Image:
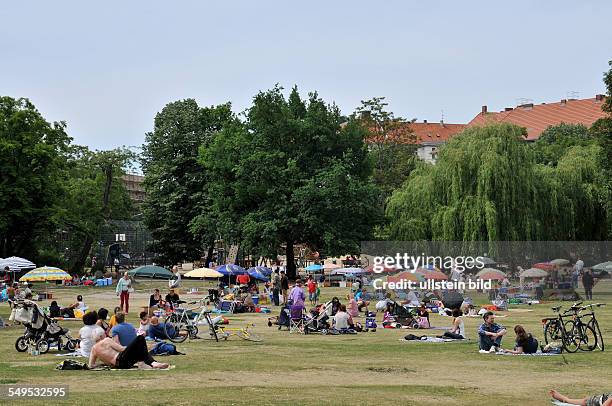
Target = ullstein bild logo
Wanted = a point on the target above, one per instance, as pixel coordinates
(405, 261)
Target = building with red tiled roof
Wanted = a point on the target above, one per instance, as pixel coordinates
(538, 117)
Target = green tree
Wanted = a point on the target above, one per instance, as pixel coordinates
(292, 173)
(554, 142)
(486, 186)
(177, 208)
(95, 194)
(392, 145)
(31, 169)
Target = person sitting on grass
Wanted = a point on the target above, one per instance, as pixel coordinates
(157, 330)
(109, 352)
(113, 320)
(89, 333)
(352, 307)
(342, 320)
(123, 333)
(102, 315)
(490, 333)
(525, 343)
(457, 331)
(155, 302)
(605, 399)
(143, 328)
(360, 298)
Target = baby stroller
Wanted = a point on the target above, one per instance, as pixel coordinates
(317, 321)
(403, 316)
(283, 319)
(41, 332)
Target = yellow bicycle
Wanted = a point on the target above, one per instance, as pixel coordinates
(246, 333)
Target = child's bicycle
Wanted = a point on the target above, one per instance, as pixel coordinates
(246, 333)
(178, 326)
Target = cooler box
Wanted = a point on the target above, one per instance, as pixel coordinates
(255, 299)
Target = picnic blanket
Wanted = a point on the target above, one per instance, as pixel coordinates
(559, 403)
(70, 354)
(537, 354)
(433, 340)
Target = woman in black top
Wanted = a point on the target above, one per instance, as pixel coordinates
(525, 342)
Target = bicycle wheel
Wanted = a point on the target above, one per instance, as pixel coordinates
(571, 337)
(589, 339)
(595, 325)
(553, 332)
(176, 328)
(249, 335)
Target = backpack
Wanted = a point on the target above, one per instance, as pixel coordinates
(164, 348)
(71, 365)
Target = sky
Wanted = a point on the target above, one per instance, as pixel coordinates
(106, 68)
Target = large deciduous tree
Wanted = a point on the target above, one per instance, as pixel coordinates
(486, 186)
(293, 173)
(175, 181)
(32, 159)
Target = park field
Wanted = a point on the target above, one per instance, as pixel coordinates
(367, 368)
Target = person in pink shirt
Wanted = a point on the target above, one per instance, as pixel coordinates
(352, 308)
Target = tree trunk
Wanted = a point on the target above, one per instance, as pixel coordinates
(79, 264)
(291, 271)
(209, 254)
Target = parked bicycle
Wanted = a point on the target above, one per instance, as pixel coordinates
(246, 333)
(570, 329)
(179, 326)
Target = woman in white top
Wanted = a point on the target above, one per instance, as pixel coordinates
(342, 319)
(457, 332)
(89, 333)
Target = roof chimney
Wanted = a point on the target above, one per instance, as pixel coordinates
(484, 110)
(424, 121)
(508, 109)
(526, 106)
(563, 102)
(599, 97)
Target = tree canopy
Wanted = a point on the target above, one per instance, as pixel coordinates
(291, 173)
(175, 181)
(487, 186)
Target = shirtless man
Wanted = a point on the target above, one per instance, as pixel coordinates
(109, 352)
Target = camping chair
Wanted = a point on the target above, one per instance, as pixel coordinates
(297, 323)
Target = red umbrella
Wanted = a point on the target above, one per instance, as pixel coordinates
(407, 275)
(547, 266)
(492, 276)
(437, 275)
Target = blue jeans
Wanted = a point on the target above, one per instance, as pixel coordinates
(486, 342)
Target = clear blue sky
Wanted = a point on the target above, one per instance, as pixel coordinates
(108, 67)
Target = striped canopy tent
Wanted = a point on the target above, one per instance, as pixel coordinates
(492, 276)
(488, 270)
(407, 276)
(230, 270)
(348, 271)
(432, 274)
(16, 264)
(45, 274)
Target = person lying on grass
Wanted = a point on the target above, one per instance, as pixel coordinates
(490, 333)
(108, 352)
(525, 342)
(604, 399)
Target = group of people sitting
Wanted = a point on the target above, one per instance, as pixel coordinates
(491, 334)
(118, 343)
(56, 310)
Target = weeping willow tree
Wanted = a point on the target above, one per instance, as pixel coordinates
(487, 186)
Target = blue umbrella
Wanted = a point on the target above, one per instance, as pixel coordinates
(313, 268)
(265, 271)
(256, 274)
(230, 270)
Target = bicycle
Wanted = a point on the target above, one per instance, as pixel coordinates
(582, 332)
(243, 332)
(178, 326)
(555, 329)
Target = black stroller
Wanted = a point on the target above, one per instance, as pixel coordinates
(41, 332)
(403, 316)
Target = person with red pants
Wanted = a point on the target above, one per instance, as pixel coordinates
(124, 285)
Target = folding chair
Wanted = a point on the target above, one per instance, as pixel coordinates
(296, 324)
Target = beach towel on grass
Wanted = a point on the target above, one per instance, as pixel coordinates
(537, 354)
(432, 340)
(559, 403)
(70, 354)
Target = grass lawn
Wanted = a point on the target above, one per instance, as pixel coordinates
(368, 368)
